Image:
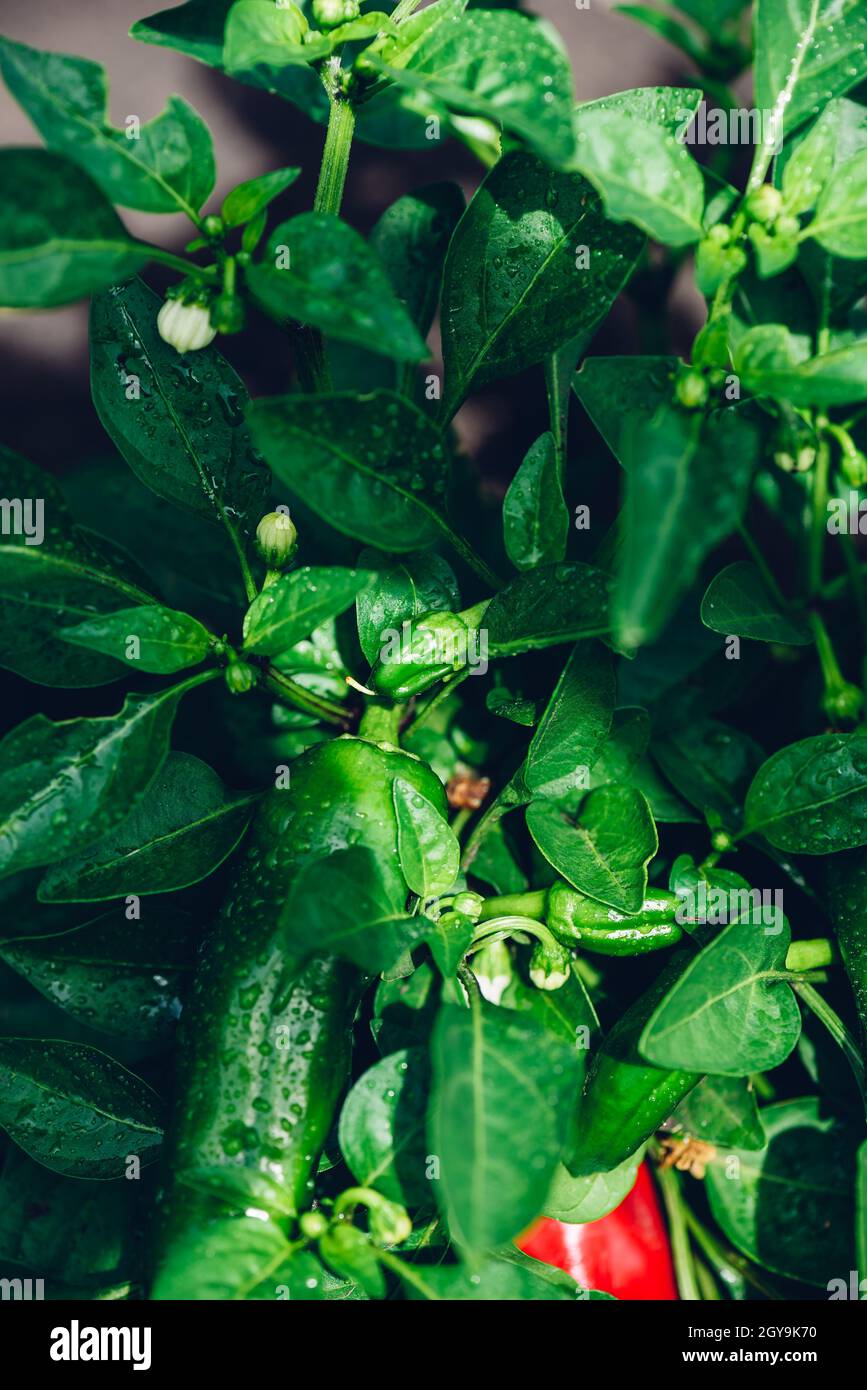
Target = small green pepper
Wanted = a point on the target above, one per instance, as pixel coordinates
(578, 920)
(427, 650)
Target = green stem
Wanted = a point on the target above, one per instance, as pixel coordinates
(819, 523)
(811, 955)
(408, 1273)
(380, 722)
(530, 904)
(304, 699)
(558, 414)
(762, 566)
(684, 1265)
(186, 267)
(838, 1030)
(463, 548)
(732, 1268)
(471, 985)
(831, 674)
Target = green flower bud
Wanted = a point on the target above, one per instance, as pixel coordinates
(469, 904)
(276, 539)
(720, 234)
(313, 1224)
(328, 14)
(843, 702)
(185, 327)
(721, 841)
(549, 965)
(788, 225)
(213, 226)
(692, 390)
(388, 1223)
(765, 204)
(227, 314)
(240, 677)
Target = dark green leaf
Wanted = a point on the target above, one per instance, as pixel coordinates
(491, 1281)
(549, 605)
(178, 423)
(811, 797)
(710, 764)
(577, 1200)
(429, 853)
(517, 284)
(411, 239)
(195, 28)
(297, 603)
(404, 589)
(373, 466)
(149, 637)
(59, 238)
(623, 749)
(721, 1110)
(605, 850)
(318, 270)
(253, 195)
(503, 1091)
(535, 516)
(575, 724)
(164, 165)
(769, 362)
(74, 1109)
(382, 1128)
(68, 784)
(738, 601)
(181, 831)
(789, 1207)
(807, 51)
(604, 383)
(240, 1257)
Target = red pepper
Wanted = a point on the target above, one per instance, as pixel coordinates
(626, 1253)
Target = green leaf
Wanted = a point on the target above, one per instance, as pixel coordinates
(604, 383)
(165, 165)
(738, 601)
(372, 465)
(183, 828)
(789, 1207)
(404, 589)
(644, 176)
(622, 750)
(811, 797)
(69, 575)
(575, 724)
(535, 515)
(178, 423)
(429, 853)
(449, 942)
(163, 640)
(318, 270)
(861, 1207)
(517, 284)
(411, 239)
(253, 195)
(549, 605)
(806, 52)
(503, 1091)
(340, 904)
(769, 362)
(710, 764)
(262, 40)
(589, 1198)
(687, 484)
(297, 603)
(382, 1128)
(505, 67)
(489, 1281)
(604, 852)
(119, 977)
(235, 1258)
(66, 785)
(195, 28)
(729, 1013)
(60, 240)
(74, 1109)
(567, 1012)
(840, 225)
(811, 163)
(721, 1110)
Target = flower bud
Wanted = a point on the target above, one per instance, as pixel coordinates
(469, 904)
(692, 390)
(843, 702)
(227, 314)
(240, 677)
(388, 1223)
(185, 327)
(213, 226)
(765, 204)
(276, 539)
(328, 14)
(549, 965)
(313, 1224)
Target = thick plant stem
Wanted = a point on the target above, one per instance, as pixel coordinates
(305, 699)
(838, 1030)
(684, 1264)
(515, 905)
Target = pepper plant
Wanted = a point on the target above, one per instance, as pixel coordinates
(409, 869)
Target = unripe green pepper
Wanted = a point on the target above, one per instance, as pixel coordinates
(625, 1098)
(414, 667)
(264, 1040)
(577, 920)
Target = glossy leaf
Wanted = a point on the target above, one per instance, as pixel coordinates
(382, 1128)
(60, 240)
(547, 606)
(710, 764)
(575, 724)
(721, 1110)
(728, 1014)
(429, 853)
(515, 287)
(738, 601)
(179, 423)
(372, 465)
(163, 165)
(503, 1092)
(404, 589)
(74, 1109)
(411, 239)
(492, 1281)
(68, 784)
(297, 603)
(604, 383)
(840, 224)
(769, 363)
(318, 270)
(577, 1200)
(252, 196)
(241, 1257)
(194, 28)
(643, 175)
(811, 797)
(603, 851)
(622, 750)
(149, 637)
(790, 1208)
(183, 828)
(68, 576)
(806, 52)
(535, 515)
(117, 976)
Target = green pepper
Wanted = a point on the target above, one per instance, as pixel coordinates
(413, 668)
(265, 1040)
(625, 1098)
(578, 920)
(847, 900)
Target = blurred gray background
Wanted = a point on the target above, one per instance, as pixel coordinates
(44, 397)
